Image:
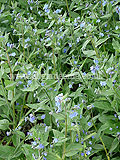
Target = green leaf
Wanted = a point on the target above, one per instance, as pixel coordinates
(10, 85)
(73, 149)
(89, 136)
(6, 152)
(32, 87)
(53, 156)
(51, 24)
(103, 105)
(114, 145)
(116, 45)
(99, 42)
(89, 53)
(106, 16)
(4, 124)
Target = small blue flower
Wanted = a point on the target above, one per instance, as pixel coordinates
(55, 140)
(84, 73)
(105, 25)
(116, 27)
(82, 25)
(82, 154)
(75, 62)
(88, 152)
(96, 61)
(42, 84)
(8, 133)
(90, 142)
(103, 83)
(70, 85)
(34, 143)
(41, 146)
(29, 72)
(32, 118)
(45, 6)
(110, 129)
(101, 34)
(72, 115)
(78, 39)
(29, 82)
(77, 140)
(46, 128)
(13, 54)
(65, 50)
(43, 116)
(98, 21)
(58, 11)
(89, 123)
(28, 39)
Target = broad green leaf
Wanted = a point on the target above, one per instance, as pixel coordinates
(103, 105)
(10, 85)
(73, 149)
(89, 53)
(99, 42)
(4, 124)
(6, 152)
(114, 145)
(116, 45)
(32, 87)
(53, 156)
(51, 24)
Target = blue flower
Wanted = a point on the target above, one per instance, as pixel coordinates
(77, 140)
(58, 100)
(29, 72)
(105, 25)
(89, 123)
(90, 142)
(72, 115)
(116, 27)
(55, 140)
(28, 39)
(103, 83)
(82, 154)
(98, 21)
(13, 54)
(110, 129)
(82, 25)
(34, 143)
(42, 84)
(88, 152)
(96, 61)
(32, 118)
(58, 11)
(8, 133)
(29, 82)
(43, 116)
(101, 34)
(45, 6)
(70, 86)
(65, 50)
(41, 146)
(75, 62)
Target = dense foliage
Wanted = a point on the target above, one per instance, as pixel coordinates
(59, 80)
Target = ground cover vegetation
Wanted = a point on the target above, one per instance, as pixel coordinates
(59, 80)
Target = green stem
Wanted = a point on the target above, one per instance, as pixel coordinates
(23, 106)
(11, 78)
(64, 149)
(102, 142)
